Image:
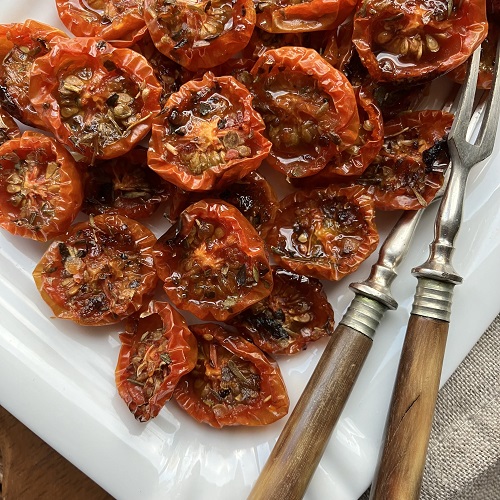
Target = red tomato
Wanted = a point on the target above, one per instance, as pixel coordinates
(289, 16)
(100, 272)
(253, 196)
(355, 159)
(157, 350)
(40, 187)
(416, 40)
(20, 45)
(208, 135)
(213, 262)
(8, 127)
(120, 22)
(96, 99)
(233, 382)
(297, 312)
(324, 233)
(308, 106)
(125, 186)
(197, 37)
(487, 63)
(409, 169)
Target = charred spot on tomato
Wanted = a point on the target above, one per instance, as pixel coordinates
(436, 158)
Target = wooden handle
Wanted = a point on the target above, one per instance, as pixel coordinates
(409, 423)
(301, 444)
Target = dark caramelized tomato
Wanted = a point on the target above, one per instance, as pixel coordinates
(355, 159)
(8, 127)
(96, 99)
(415, 40)
(262, 40)
(40, 187)
(308, 106)
(170, 74)
(289, 16)
(297, 312)
(324, 233)
(118, 21)
(157, 350)
(410, 167)
(253, 196)
(233, 382)
(200, 34)
(20, 45)
(125, 186)
(213, 262)
(487, 62)
(208, 135)
(100, 272)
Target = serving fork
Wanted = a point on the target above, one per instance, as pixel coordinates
(417, 382)
(300, 446)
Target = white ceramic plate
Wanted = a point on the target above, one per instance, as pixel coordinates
(58, 378)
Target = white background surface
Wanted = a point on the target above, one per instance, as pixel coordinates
(58, 378)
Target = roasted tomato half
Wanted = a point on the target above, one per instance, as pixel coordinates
(308, 106)
(233, 382)
(118, 21)
(157, 349)
(20, 45)
(297, 312)
(409, 168)
(289, 16)
(213, 262)
(96, 99)
(420, 39)
(253, 196)
(200, 34)
(487, 62)
(100, 272)
(208, 135)
(355, 159)
(40, 187)
(8, 127)
(125, 186)
(324, 233)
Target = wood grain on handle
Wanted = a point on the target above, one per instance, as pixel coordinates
(300, 446)
(412, 407)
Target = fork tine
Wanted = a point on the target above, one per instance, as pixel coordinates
(466, 100)
(487, 132)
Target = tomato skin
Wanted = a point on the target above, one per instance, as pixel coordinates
(171, 349)
(297, 312)
(122, 28)
(219, 352)
(409, 169)
(324, 233)
(315, 15)
(200, 40)
(101, 72)
(393, 41)
(17, 63)
(212, 116)
(99, 272)
(309, 108)
(212, 262)
(40, 187)
(124, 185)
(8, 127)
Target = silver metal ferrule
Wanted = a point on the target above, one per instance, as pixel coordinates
(364, 315)
(433, 299)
